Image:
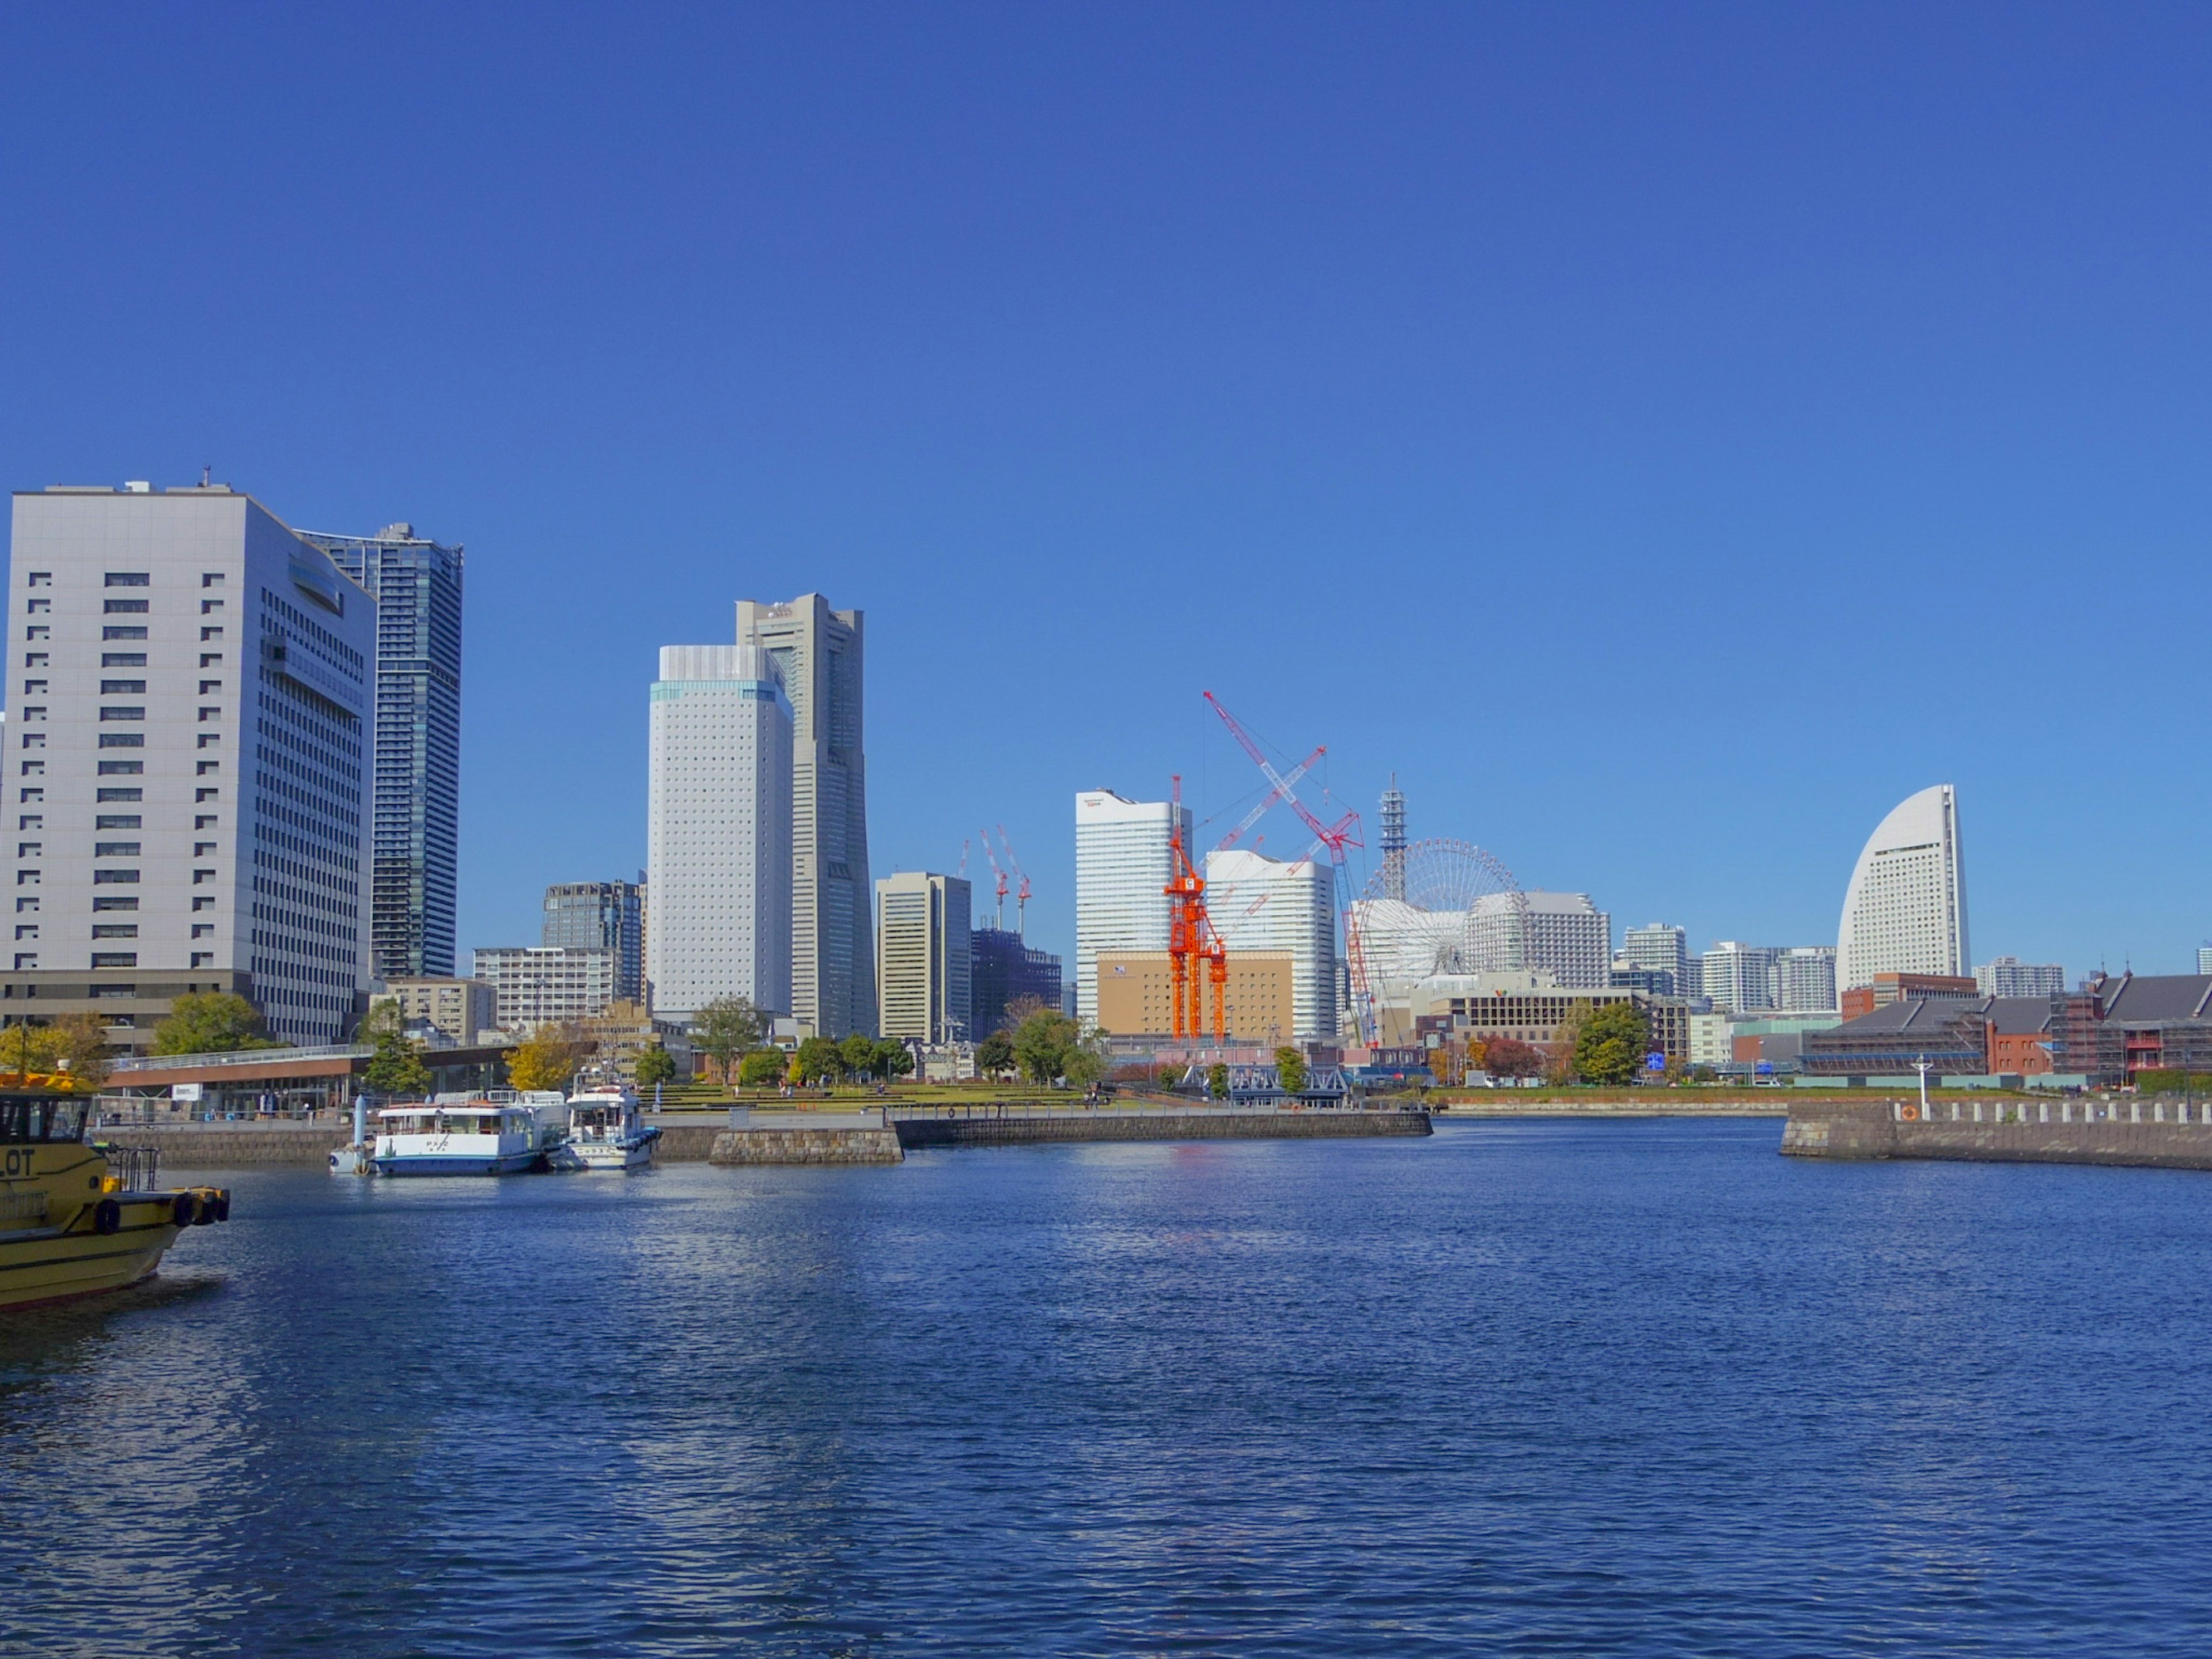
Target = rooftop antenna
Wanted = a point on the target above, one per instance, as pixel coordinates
(206, 473)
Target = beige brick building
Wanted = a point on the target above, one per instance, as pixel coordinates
(1135, 1000)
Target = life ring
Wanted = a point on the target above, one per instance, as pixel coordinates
(107, 1216)
(184, 1209)
(1910, 1113)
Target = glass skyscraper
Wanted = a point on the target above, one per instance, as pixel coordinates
(416, 584)
(602, 916)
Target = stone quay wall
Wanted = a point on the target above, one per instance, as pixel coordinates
(1027, 1129)
(239, 1145)
(2154, 1134)
(761, 1146)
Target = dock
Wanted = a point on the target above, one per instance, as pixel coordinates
(2169, 1134)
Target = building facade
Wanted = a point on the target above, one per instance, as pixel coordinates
(924, 958)
(718, 831)
(414, 849)
(1805, 978)
(1741, 977)
(1566, 934)
(1905, 910)
(1136, 997)
(1531, 1006)
(1005, 969)
(459, 1010)
(820, 654)
(1661, 947)
(2008, 976)
(602, 916)
(1122, 868)
(1261, 904)
(189, 762)
(535, 985)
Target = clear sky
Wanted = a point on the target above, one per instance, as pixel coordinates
(1665, 437)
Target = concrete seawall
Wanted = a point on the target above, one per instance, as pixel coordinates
(1021, 1130)
(764, 1146)
(2148, 1134)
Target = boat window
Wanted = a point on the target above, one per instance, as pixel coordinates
(65, 1120)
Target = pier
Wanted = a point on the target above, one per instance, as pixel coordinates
(2154, 1133)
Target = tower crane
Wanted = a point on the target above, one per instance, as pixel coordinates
(1022, 895)
(999, 916)
(1191, 941)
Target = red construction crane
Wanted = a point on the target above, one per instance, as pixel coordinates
(1022, 897)
(1335, 837)
(1191, 937)
(999, 918)
(1273, 795)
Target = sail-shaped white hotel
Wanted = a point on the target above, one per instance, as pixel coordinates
(1905, 909)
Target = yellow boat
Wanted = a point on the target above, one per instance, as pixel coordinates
(73, 1219)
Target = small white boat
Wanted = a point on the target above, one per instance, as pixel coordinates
(604, 1132)
(458, 1136)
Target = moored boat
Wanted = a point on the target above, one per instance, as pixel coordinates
(79, 1218)
(462, 1135)
(604, 1132)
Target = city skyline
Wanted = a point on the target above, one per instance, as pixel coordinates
(1596, 372)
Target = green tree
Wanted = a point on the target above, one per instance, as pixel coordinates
(655, 1065)
(1609, 1048)
(1290, 1067)
(818, 1060)
(762, 1068)
(859, 1053)
(994, 1054)
(1048, 1044)
(1217, 1081)
(211, 1023)
(725, 1030)
(72, 1051)
(396, 1067)
(893, 1059)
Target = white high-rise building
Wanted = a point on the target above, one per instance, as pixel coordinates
(1661, 947)
(924, 957)
(1122, 869)
(1262, 905)
(535, 985)
(2008, 976)
(1741, 977)
(1566, 933)
(1805, 976)
(1904, 911)
(187, 763)
(819, 657)
(718, 831)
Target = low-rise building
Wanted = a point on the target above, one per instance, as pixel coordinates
(1976, 1036)
(1136, 996)
(1528, 1005)
(547, 985)
(1888, 988)
(2121, 1026)
(1712, 1041)
(457, 1010)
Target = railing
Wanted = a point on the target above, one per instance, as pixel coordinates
(2065, 1109)
(138, 1168)
(236, 1057)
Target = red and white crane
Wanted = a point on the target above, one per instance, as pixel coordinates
(1022, 895)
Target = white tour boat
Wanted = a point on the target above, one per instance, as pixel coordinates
(459, 1135)
(604, 1132)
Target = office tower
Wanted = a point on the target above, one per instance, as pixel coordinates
(1566, 933)
(1263, 905)
(188, 764)
(1391, 841)
(820, 654)
(605, 915)
(1121, 872)
(923, 965)
(1905, 909)
(535, 985)
(1661, 947)
(1741, 977)
(2008, 976)
(416, 584)
(718, 831)
(1006, 969)
(1805, 978)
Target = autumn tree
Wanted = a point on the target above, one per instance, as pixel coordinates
(547, 1060)
(1504, 1056)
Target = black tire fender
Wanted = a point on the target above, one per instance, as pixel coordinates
(184, 1209)
(106, 1217)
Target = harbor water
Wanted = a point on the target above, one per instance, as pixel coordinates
(1627, 1388)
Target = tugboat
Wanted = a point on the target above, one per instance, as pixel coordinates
(603, 1131)
(74, 1219)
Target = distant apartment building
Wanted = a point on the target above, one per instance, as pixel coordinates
(2008, 976)
(602, 916)
(1663, 949)
(1905, 910)
(819, 657)
(2204, 958)
(416, 834)
(1566, 934)
(1741, 977)
(188, 744)
(924, 960)
(536, 985)
(718, 831)
(459, 1010)
(1710, 1041)
(1005, 969)
(1805, 979)
(1136, 997)
(1121, 872)
(1273, 907)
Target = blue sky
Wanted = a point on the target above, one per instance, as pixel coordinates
(1665, 437)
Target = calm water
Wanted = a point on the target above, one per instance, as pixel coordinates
(1632, 1388)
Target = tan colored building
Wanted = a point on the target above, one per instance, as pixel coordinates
(1528, 1005)
(461, 1008)
(1135, 987)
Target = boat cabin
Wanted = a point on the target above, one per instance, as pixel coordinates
(26, 1120)
(476, 1118)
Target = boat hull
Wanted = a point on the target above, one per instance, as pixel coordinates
(603, 1155)
(460, 1164)
(52, 1266)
